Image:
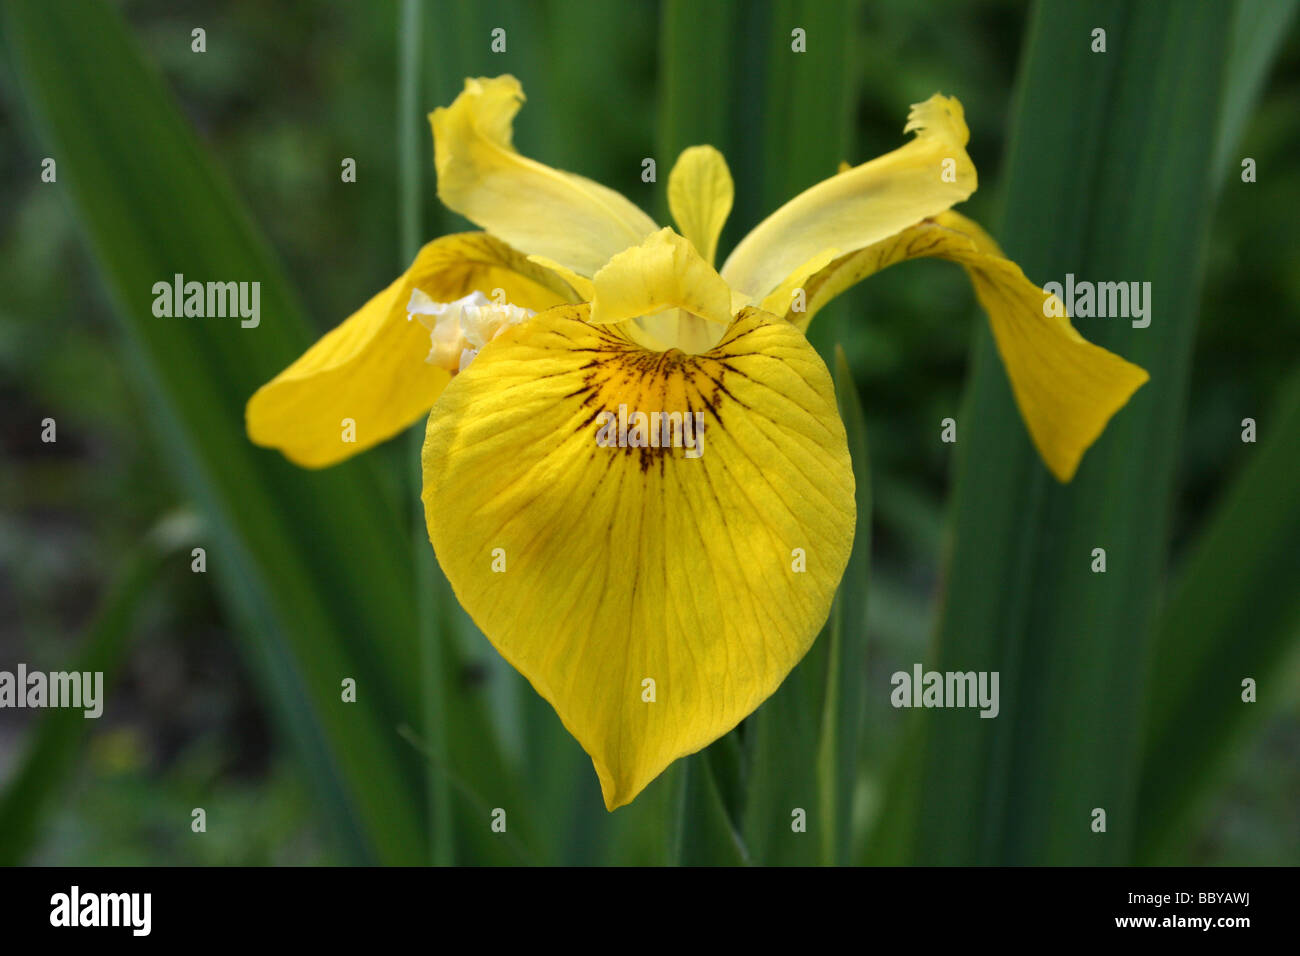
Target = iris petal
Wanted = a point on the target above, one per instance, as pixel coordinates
(536, 209)
(700, 194)
(1067, 389)
(863, 205)
(663, 272)
(371, 369)
(596, 569)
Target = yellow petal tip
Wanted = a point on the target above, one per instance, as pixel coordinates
(941, 117)
(1063, 453)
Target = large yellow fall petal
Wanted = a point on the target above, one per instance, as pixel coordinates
(862, 205)
(536, 209)
(597, 570)
(700, 194)
(371, 369)
(1067, 389)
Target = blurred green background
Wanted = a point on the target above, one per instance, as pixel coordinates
(202, 713)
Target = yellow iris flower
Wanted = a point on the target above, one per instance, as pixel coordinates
(653, 596)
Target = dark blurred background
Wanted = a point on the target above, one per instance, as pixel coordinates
(309, 82)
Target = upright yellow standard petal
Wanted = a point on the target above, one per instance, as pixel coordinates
(655, 599)
(867, 203)
(1067, 389)
(370, 371)
(536, 209)
(700, 194)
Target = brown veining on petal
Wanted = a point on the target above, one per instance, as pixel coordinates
(624, 373)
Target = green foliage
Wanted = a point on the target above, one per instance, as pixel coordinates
(306, 562)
